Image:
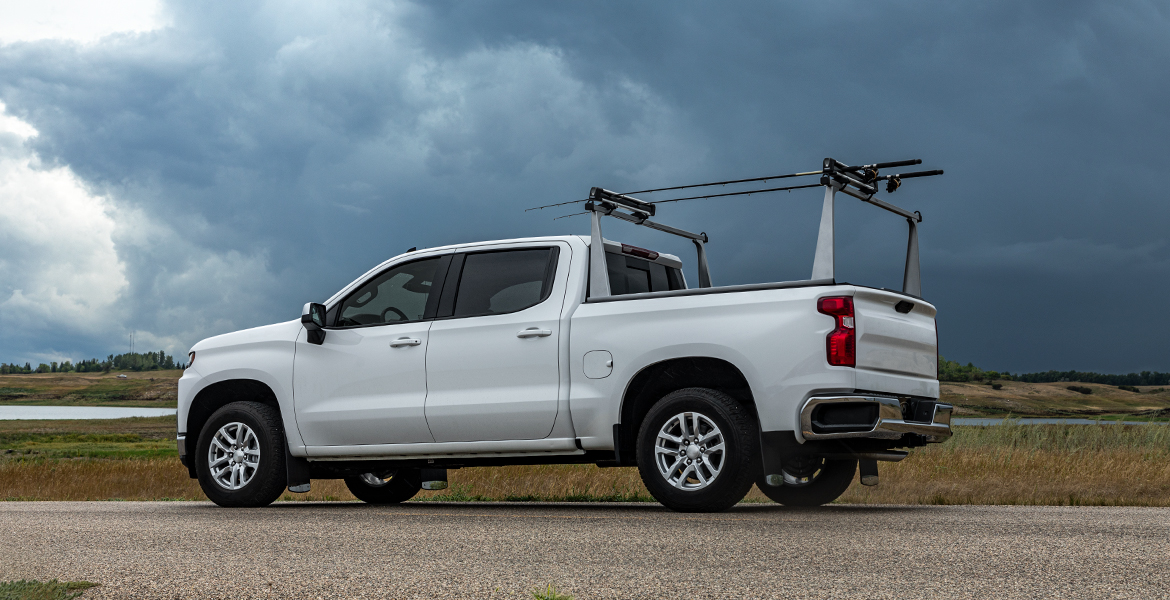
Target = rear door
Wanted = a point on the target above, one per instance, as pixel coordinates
(895, 334)
(493, 363)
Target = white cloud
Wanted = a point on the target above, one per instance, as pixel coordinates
(58, 265)
(77, 20)
(67, 267)
(338, 107)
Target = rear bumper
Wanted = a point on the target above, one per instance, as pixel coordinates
(891, 421)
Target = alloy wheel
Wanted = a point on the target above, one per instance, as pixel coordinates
(233, 456)
(689, 451)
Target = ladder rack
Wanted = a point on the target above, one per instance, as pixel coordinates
(860, 182)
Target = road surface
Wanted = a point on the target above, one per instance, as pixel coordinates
(424, 550)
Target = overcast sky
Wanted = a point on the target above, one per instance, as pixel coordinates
(180, 170)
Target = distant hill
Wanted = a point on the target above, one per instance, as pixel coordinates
(949, 370)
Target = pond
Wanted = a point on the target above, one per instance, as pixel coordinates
(79, 412)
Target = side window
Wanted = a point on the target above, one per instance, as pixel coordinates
(631, 275)
(505, 281)
(396, 296)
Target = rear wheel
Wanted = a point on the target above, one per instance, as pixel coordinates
(386, 487)
(698, 450)
(810, 481)
(240, 455)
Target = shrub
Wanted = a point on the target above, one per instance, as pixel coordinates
(1129, 388)
(1080, 389)
(997, 386)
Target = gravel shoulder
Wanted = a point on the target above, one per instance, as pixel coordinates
(346, 550)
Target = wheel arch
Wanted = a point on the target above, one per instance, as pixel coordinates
(659, 379)
(219, 394)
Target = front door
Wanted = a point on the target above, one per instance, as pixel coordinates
(366, 383)
(493, 369)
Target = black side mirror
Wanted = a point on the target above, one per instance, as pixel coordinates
(313, 318)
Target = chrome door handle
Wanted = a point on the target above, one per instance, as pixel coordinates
(534, 332)
(405, 341)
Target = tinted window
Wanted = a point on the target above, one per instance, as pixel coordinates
(493, 283)
(396, 296)
(630, 275)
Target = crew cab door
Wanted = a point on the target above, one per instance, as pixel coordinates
(366, 383)
(493, 366)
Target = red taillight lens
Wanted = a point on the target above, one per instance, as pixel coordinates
(841, 343)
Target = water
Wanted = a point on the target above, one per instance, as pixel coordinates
(79, 412)
(994, 421)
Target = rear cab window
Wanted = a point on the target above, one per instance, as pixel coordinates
(499, 281)
(629, 274)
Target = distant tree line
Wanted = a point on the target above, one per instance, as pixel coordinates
(132, 361)
(949, 370)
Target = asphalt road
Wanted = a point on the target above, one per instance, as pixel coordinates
(197, 550)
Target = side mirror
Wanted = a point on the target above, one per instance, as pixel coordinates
(313, 318)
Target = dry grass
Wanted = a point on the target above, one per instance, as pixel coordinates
(146, 388)
(1052, 400)
(1015, 464)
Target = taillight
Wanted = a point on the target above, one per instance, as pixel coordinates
(191, 356)
(841, 343)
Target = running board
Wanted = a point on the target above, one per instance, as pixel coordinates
(433, 450)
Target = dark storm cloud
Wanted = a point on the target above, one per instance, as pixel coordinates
(273, 153)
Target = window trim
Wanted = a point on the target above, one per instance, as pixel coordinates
(446, 309)
(432, 300)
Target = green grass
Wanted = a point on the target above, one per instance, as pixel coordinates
(550, 593)
(42, 590)
(35, 446)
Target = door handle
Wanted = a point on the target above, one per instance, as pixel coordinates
(405, 341)
(532, 332)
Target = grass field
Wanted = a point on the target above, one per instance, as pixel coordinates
(1056, 400)
(147, 388)
(135, 459)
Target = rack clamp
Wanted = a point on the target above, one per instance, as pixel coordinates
(611, 201)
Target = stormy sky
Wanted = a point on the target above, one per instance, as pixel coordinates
(182, 169)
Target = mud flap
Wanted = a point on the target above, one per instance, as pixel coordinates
(774, 446)
(297, 471)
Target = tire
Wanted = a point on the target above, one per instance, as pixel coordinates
(688, 486)
(385, 488)
(812, 483)
(254, 476)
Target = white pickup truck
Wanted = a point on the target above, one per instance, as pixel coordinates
(571, 349)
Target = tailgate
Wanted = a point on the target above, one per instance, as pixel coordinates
(891, 341)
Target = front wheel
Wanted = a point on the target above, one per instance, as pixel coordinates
(240, 455)
(390, 487)
(810, 481)
(698, 450)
